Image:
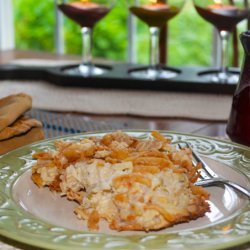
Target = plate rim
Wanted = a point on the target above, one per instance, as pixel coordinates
(36, 243)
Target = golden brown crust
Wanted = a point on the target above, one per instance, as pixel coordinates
(20, 126)
(36, 178)
(93, 221)
(12, 107)
(133, 184)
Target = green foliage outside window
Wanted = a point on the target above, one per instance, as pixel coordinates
(190, 37)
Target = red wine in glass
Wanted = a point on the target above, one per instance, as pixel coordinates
(154, 18)
(223, 19)
(87, 13)
(154, 13)
(224, 15)
(85, 16)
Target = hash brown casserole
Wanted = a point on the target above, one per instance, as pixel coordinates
(132, 184)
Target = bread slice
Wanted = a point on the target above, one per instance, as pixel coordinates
(12, 107)
(19, 127)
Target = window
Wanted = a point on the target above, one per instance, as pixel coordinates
(190, 37)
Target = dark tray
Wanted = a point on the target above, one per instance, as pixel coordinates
(189, 79)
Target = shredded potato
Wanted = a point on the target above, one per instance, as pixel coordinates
(130, 183)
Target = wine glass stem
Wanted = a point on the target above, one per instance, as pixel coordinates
(86, 46)
(224, 37)
(154, 47)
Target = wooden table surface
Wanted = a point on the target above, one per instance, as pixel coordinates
(206, 128)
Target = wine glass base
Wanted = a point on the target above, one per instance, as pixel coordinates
(91, 70)
(87, 70)
(221, 77)
(148, 73)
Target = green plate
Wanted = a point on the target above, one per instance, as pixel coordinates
(40, 218)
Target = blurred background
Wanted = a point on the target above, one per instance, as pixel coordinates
(191, 40)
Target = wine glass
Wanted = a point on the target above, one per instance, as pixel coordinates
(87, 13)
(224, 15)
(155, 13)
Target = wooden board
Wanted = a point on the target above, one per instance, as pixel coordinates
(188, 79)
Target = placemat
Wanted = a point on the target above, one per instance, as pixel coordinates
(123, 102)
(56, 124)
